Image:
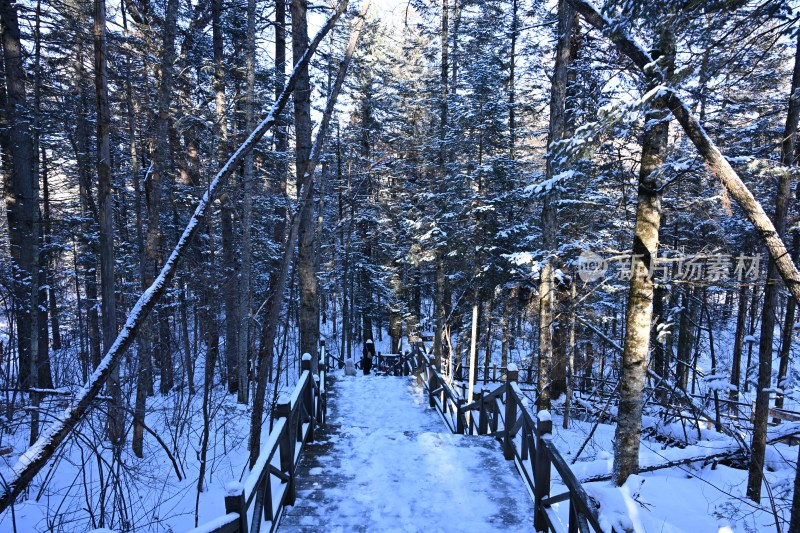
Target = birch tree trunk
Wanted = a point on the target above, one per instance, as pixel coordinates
(640, 295)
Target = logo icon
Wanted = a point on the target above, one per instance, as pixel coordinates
(591, 266)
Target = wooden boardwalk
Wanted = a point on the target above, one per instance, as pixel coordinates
(386, 462)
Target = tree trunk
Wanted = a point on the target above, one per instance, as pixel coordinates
(640, 300)
(43, 371)
(556, 132)
(751, 331)
(772, 298)
(245, 299)
(685, 338)
(22, 201)
(441, 318)
(788, 151)
(116, 417)
(230, 279)
(738, 342)
(144, 371)
(274, 304)
(309, 302)
(50, 280)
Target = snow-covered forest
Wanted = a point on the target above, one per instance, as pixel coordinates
(604, 194)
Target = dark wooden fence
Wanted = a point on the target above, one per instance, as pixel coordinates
(526, 439)
(270, 486)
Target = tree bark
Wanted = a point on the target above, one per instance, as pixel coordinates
(309, 302)
(275, 301)
(772, 299)
(556, 131)
(21, 197)
(640, 295)
(245, 298)
(788, 150)
(738, 343)
(116, 417)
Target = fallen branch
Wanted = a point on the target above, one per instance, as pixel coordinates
(727, 454)
(689, 402)
(596, 423)
(705, 146)
(32, 461)
(269, 331)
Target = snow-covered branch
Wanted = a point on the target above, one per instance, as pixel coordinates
(43, 449)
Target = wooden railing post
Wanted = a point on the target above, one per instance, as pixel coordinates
(541, 470)
(512, 375)
(307, 395)
(287, 441)
(574, 518)
(460, 415)
(431, 383)
(235, 503)
(322, 407)
(483, 422)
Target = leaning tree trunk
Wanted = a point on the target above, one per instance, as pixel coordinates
(640, 295)
(269, 330)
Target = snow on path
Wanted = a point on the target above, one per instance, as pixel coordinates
(387, 463)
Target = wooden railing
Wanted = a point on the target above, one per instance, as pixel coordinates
(504, 414)
(270, 486)
(395, 364)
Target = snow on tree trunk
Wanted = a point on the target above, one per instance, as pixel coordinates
(640, 295)
(275, 302)
(558, 97)
(32, 460)
(772, 299)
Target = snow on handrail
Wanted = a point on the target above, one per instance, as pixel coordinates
(264, 458)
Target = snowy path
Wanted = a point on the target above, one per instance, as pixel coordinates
(387, 463)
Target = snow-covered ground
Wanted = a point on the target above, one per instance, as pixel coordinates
(687, 498)
(153, 497)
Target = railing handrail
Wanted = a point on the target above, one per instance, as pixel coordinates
(518, 424)
(295, 417)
